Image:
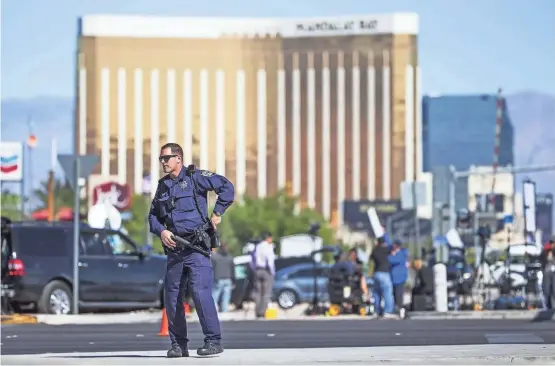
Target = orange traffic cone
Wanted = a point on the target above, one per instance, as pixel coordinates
(164, 332)
(164, 326)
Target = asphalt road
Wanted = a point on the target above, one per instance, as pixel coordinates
(40, 338)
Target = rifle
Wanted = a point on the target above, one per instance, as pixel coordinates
(187, 244)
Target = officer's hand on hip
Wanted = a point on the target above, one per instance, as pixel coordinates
(167, 240)
(215, 220)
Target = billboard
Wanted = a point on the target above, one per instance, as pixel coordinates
(355, 213)
(355, 216)
(119, 195)
(11, 161)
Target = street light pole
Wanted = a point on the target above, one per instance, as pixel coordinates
(452, 187)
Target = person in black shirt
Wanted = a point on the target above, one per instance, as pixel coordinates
(382, 279)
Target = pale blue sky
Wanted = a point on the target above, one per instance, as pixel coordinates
(466, 46)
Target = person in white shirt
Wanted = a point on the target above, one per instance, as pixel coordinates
(263, 265)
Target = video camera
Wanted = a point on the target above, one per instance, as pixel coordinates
(484, 232)
(345, 291)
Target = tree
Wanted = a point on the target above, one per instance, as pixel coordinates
(63, 195)
(137, 225)
(242, 221)
(249, 219)
(11, 205)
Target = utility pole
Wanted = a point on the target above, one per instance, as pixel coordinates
(497, 142)
(51, 208)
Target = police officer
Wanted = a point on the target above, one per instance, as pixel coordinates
(179, 209)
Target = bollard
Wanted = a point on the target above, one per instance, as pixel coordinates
(440, 287)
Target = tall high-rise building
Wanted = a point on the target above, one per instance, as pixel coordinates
(328, 106)
(460, 131)
(544, 215)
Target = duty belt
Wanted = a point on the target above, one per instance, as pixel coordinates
(183, 243)
(198, 240)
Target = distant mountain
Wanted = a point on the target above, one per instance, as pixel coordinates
(41, 109)
(533, 117)
(49, 117)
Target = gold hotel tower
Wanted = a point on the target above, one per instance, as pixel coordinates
(327, 106)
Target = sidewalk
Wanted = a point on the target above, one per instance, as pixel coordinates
(121, 318)
(156, 316)
(296, 313)
(485, 314)
(493, 354)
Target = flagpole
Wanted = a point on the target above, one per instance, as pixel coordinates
(76, 196)
(31, 143)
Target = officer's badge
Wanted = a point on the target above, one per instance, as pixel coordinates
(206, 173)
(183, 184)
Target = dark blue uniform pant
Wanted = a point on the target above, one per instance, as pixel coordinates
(182, 267)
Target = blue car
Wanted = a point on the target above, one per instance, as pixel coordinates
(295, 284)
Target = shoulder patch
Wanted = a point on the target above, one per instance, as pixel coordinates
(206, 173)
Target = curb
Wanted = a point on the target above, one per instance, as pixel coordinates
(92, 319)
(484, 315)
(154, 318)
(19, 319)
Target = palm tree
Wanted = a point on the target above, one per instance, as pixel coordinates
(63, 195)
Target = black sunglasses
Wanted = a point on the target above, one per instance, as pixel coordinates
(165, 158)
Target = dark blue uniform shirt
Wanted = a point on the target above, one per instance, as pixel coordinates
(182, 216)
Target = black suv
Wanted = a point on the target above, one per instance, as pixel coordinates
(37, 268)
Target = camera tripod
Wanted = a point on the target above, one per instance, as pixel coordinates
(482, 289)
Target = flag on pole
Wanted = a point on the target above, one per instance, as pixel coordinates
(32, 139)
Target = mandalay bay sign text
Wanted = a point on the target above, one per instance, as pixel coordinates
(339, 27)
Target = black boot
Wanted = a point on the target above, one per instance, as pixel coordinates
(209, 349)
(177, 351)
